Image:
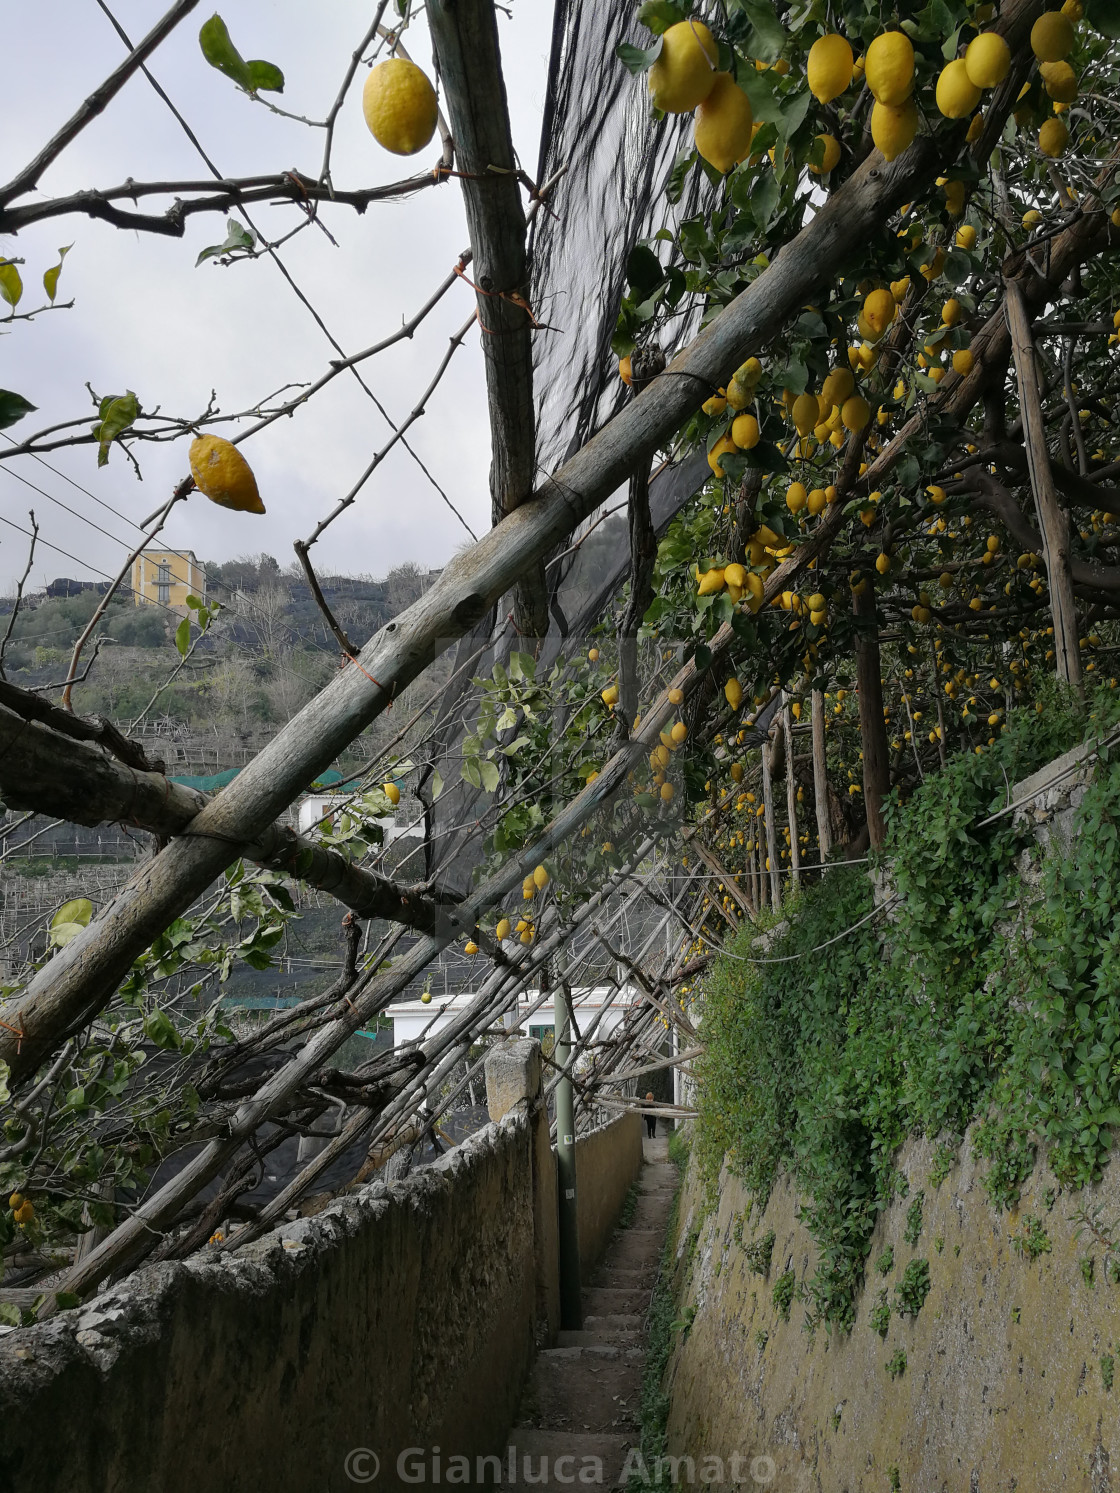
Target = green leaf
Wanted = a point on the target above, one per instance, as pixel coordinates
(238, 239)
(684, 163)
(220, 52)
(10, 1315)
(768, 33)
(13, 407)
(158, 1029)
(69, 920)
(437, 784)
(183, 637)
(488, 772)
(117, 413)
(50, 277)
(658, 15)
(11, 286)
(635, 58)
(5, 1093)
(643, 270)
(265, 76)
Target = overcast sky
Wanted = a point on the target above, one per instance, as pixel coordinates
(146, 319)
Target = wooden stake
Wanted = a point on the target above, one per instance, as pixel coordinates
(820, 779)
(873, 733)
(791, 796)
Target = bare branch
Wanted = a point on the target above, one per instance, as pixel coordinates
(19, 591)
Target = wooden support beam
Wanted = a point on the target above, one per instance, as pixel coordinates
(49, 773)
(716, 866)
(465, 39)
(791, 796)
(873, 732)
(820, 779)
(1052, 519)
(769, 747)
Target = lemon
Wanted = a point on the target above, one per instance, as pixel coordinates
(711, 582)
(679, 732)
(966, 236)
(936, 494)
(745, 432)
(830, 155)
(738, 395)
(1052, 36)
(805, 411)
(890, 68)
(879, 310)
(715, 405)
(399, 104)
(856, 413)
(624, 370)
(987, 59)
(817, 501)
(222, 473)
(951, 312)
(893, 127)
(883, 564)
(470, 947)
(676, 696)
(736, 772)
(1053, 138)
(684, 73)
(748, 374)
(667, 793)
(391, 792)
(723, 124)
(796, 497)
(1060, 81)
(956, 94)
(593, 655)
(501, 932)
(962, 362)
(829, 67)
(733, 693)
(540, 877)
(725, 446)
(838, 386)
(975, 129)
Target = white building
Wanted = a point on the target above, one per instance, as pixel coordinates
(414, 1020)
(318, 806)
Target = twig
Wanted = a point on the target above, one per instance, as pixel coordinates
(96, 102)
(343, 641)
(19, 591)
(344, 88)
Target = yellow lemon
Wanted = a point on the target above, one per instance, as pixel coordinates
(879, 310)
(725, 446)
(624, 370)
(856, 413)
(838, 386)
(735, 575)
(829, 67)
(830, 155)
(678, 732)
(391, 792)
(817, 501)
(749, 373)
(222, 473)
(1031, 219)
(805, 411)
(1052, 36)
(797, 497)
(501, 932)
(723, 124)
(711, 582)
(609, 696)
(966, 236)
(962, 362)
(684, 73)
(733, 693)
(667, 793)
(399, 104)
(890, 68)
(1060, 81)
(1053, 138)
(470, 947)
(745, 432)
(676, 696)
(951, 312)
(540, 877)
(987, 59)
(893, 127)
(883, 564)
(956, 93)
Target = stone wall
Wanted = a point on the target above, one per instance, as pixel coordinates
(608, 1161)
(1003, 1385)
(400, 1316)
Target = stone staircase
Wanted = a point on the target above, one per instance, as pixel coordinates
(583, 1400)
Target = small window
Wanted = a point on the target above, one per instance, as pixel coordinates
(163, 595)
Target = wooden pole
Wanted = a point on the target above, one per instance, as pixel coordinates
(1052, 520)
(873, 734)
(820, 779)
(791, 796)
(768, 747)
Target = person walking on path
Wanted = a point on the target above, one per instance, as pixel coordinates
(651, 1120)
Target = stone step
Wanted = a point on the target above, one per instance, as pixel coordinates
(589, 1337)
(597, 1460)
(600, 1299)
(571, 1389)
(625, 1277)
(608, 1322)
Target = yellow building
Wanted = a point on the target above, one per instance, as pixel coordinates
(167, 577)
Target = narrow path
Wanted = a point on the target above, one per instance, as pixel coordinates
(584, 1396)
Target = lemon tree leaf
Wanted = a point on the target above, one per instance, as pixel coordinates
(79, 910)
(183, 636)
(220, 52)
(117, 411)
(50, 277)
(659, 15)
(265, 76)
(638, 59)
(11, 286)
(5, 1093)
(13, 407)
(767, 32)
(237, 237)
(488, 772)
(437, 784)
